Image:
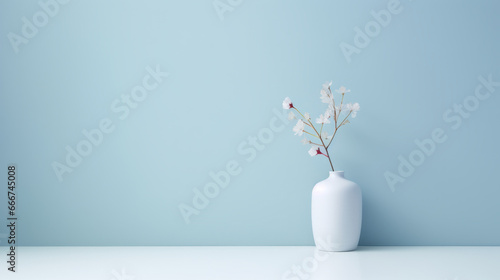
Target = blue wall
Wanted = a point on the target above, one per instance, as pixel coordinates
(87, 65)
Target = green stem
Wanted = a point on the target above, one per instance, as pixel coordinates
(311, 134)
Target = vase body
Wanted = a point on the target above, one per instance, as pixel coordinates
(336, 211)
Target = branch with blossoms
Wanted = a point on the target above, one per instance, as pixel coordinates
(340, 114)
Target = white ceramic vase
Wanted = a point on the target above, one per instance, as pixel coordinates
(336, 213)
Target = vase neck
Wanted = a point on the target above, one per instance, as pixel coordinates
(339, 174)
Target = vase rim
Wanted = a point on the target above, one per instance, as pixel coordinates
(337, 174)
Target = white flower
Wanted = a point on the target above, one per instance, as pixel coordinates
(324, 135)
(287, 103)
(342, 107)
(299, 128)
(333, 110)
(307, 116)
(354, 108)
(342, 90)
(326, 97)
(291, 116)
(327, 85)
(305, 141)
(324, 119)
(330, 110)
(315, 150)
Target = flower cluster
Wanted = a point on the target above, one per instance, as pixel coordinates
(332, 115)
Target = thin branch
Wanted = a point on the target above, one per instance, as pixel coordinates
(311, 134)
(336, 129)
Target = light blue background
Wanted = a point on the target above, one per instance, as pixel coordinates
(226, 78)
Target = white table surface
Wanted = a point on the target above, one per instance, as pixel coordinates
(256, 263)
